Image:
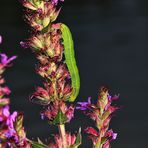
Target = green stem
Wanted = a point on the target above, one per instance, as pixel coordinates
(99, 125)
(63, 135)
(98, 145)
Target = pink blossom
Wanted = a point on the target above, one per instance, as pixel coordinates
(11, 120)
(53, 109)
(70, 139)
(4, 91)
(101, 113)
(6, 111)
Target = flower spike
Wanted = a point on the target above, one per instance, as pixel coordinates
(56, 65)
(101, 113)
(12, 132)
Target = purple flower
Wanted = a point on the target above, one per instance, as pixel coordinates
(24, 44)
(84, 105)
(6, 112)
(4, 59)
(11, 119)
(42, 116)
(10, 133)
(114, 135)
(52, 111)
(55, 2)
(111, 135)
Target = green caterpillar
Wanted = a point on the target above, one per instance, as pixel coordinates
(70, 61)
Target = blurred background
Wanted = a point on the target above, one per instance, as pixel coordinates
(111, 44)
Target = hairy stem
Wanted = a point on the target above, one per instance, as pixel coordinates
(63, 135)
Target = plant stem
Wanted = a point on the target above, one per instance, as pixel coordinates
(98, 145)
(63, 135)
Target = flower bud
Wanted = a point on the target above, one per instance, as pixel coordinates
(37, 42)
(46, 22)
(58, 112)
(33, 4)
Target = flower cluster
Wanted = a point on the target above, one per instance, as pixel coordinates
(55, 88)
(59, 142)
(58, 112)
(46, 42)
(11, 125)
(101, 113)
(71, 140)
(47, 45)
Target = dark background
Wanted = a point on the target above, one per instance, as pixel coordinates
(111, 49)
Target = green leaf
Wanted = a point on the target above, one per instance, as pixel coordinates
(60, 118)
(103, 140)
(45, 29)
(3, 102)
(38, 145)
(78, 140)
(19, 123)
(39, 141)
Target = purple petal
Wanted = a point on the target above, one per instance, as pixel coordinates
(11, 59)
(42, 116)
(14, 115)
(116, 97)
(4, 58)
(10, 133)
(84, 105)
(55, 2)
(1, 39)
(24, 44)
(81, 108)
(6, 111)
(11, 119)
(89, 100)
(1, 119)
(114, 136)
